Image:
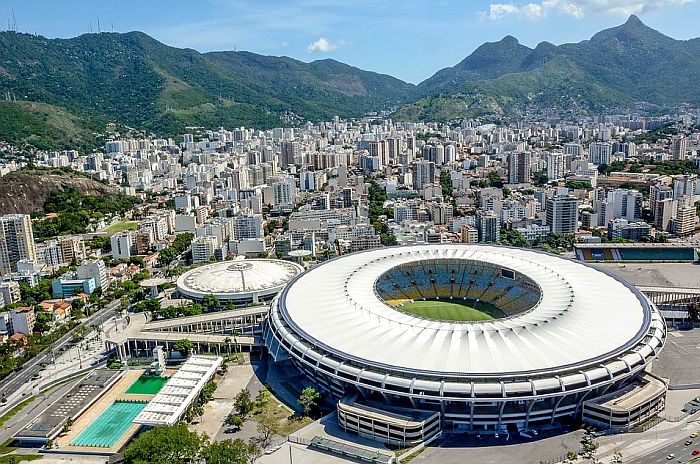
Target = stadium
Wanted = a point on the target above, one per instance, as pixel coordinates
(238, 281)
(462, 338)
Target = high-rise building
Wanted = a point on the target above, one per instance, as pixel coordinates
(16, 241)
(248, 226)
(488, 225)
(94, 268)
(72, 248)
(204, 248)
(556, 166)
(664, 213)
(423, 174)
(684, 184)
(616, 204)
(469, 234)
(380, 149)
(657, 193)
(600, 153)
(685, 217)
(562, 214)
(679, 147)
(283, 193)
(573, 149)
(347, 195)
(122, 245)
(519, 167)
(290, 151)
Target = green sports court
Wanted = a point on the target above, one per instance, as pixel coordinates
(147, 385)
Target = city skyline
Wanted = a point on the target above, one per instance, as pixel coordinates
(411, 40)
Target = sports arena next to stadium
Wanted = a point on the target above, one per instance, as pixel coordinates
(238, 281)
(464, 338)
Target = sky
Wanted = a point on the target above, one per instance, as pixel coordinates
(408, 39)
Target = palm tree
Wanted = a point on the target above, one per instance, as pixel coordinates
(236, 333)
(227, 340)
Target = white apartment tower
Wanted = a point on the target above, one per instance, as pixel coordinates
(562, 214)
(16, 241)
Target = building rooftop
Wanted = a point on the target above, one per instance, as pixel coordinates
(171, 402)
(238, 279)
(584, 317)
(631, 396)
(50, 422)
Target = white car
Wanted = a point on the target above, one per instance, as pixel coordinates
(670, 456)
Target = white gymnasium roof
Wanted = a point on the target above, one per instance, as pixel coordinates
(238, 279)
(171, 402)
(584, 317)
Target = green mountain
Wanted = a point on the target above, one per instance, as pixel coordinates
(615, 69)
(134, 80)
(57, 93)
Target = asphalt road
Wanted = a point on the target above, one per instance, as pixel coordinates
(679, 449)
(24, 375)
(32, 410)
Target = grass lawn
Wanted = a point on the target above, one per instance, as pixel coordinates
(121, 227)
(13, 412)
(281, 419)
(17, 458)
(7, 447)
(453, 310)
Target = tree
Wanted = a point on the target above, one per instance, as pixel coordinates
(243, 403)
(166, 445)
(236, 421)
(77, 306)
(540, 178)
(210, 302)
(236, 333)
(183, 346)
(43, 322)
(694, 312)
(495, 180)
(265, 433)
(229, 452)
(308, 398)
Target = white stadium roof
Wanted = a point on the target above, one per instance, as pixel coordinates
(584, 317)
(238, 279)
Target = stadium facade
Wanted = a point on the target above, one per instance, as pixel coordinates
(568, 335)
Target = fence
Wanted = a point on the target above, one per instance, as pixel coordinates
(299, 440)
(675, 418)
(643, 427)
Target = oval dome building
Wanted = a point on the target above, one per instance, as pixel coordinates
(463, 337)
(238, 281)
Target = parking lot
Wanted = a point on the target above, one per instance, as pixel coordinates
(679, 361)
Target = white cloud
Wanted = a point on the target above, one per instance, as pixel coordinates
(579, 8)
(499, 10)
(323, 45)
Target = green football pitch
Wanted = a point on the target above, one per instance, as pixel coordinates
(453, 310)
